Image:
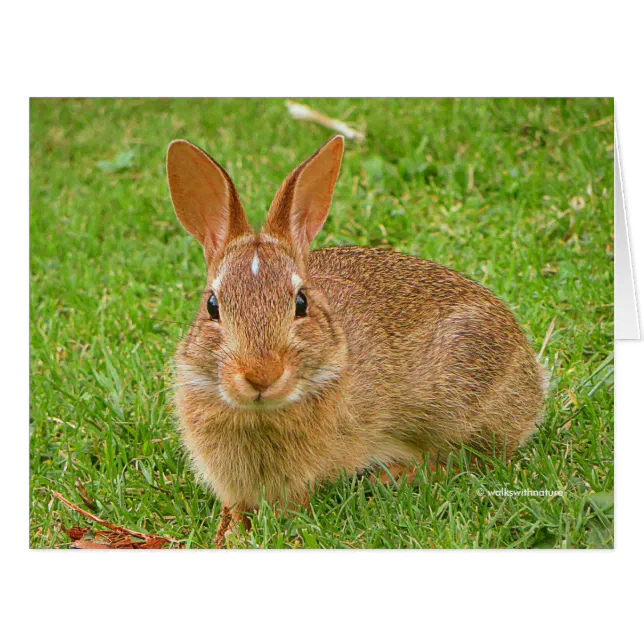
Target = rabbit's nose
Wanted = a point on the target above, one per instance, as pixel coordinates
(262, 380)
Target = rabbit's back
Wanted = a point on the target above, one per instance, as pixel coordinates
(435, 358)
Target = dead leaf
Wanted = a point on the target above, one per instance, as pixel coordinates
(115, 537)
(303, 112)
(75, 533)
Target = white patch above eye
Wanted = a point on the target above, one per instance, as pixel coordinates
(297, 282)
(254, 265)
(216, 283)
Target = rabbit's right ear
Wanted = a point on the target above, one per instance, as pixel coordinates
(204, 197)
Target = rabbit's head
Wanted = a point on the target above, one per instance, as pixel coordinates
(263, 337)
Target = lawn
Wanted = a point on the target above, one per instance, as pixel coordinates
(517, 194)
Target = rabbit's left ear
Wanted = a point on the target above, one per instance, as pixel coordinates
(302, 203)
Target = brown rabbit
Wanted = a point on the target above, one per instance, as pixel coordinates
(302, 365)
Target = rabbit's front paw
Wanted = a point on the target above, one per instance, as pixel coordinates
(230, 525)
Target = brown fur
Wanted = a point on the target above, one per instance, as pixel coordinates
(397, 357)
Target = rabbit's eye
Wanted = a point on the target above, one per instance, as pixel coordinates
(213, 307)
(300, 305)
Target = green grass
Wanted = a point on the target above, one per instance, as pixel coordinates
(517, 194)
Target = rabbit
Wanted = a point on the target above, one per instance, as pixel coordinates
(302, 365)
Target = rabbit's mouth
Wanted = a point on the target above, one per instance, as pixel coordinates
(260, 404)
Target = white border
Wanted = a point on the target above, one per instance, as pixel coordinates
(491, 48)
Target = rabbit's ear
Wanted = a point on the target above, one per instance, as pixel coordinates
(204, 197)
(302, 203)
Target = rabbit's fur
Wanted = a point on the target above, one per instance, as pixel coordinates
(396, 358)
